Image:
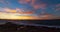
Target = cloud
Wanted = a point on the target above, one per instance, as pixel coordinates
(27, 1)
(19, 10)
(42, 6)
(24, 1)
(34, 3)
(41, 17)
(58, 7)
(7, 10)
(1, 1)
(4, 2)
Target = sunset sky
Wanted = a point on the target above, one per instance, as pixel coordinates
(36, 6)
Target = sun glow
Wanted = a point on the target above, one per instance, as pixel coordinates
(13, 16)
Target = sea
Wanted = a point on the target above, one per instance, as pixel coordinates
(47, 23)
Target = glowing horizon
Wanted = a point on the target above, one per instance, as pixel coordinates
(40, 9)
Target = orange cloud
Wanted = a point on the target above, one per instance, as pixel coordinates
(9, 10)
(40, 17)
(45, 17)
(17, 10)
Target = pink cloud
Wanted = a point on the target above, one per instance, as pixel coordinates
(27, 1)
(42, 6)
(24, 1)
(40, 17)
(7, 10)
(19, 10)
(33, 2)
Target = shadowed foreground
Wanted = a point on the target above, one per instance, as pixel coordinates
(11, 27)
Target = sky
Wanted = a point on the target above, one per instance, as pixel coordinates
(36, 6)
(51, 7)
